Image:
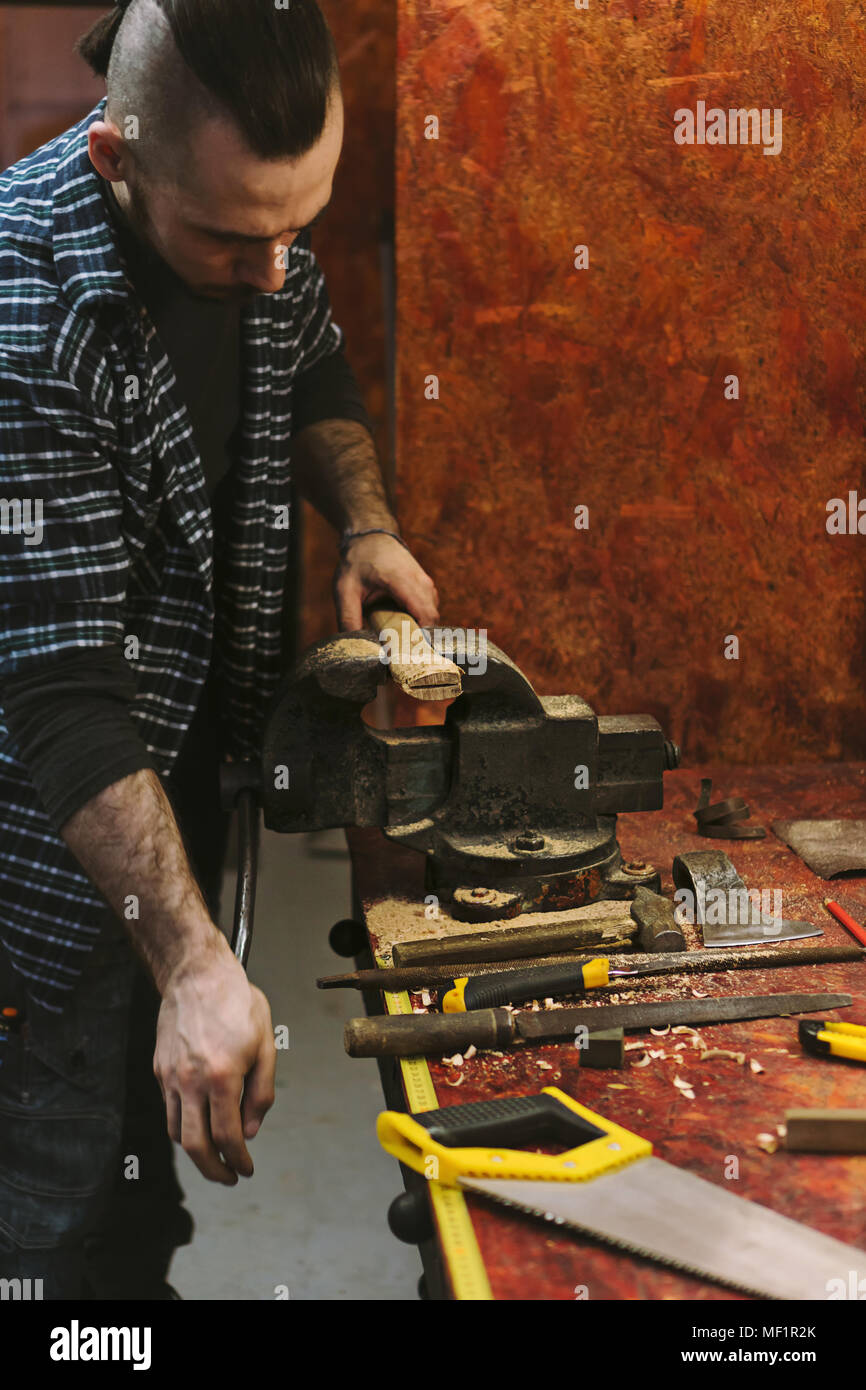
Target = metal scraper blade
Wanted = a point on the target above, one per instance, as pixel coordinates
(668, 1214)
(762, 932)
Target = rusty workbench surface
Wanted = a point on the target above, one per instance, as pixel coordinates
(733, 1103)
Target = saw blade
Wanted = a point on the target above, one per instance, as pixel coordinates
(668, 1214)
(562, 1023)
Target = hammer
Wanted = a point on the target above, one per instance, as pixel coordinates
(657, 926)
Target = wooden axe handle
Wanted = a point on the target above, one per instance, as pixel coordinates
(416, 667)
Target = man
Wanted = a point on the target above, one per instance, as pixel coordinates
(166, 342)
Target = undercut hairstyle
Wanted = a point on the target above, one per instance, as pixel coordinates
(172, 63)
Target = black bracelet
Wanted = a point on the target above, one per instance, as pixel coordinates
(349, 536)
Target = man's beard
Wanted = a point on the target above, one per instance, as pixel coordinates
(137, 217)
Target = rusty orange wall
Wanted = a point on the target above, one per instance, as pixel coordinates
(605, 387)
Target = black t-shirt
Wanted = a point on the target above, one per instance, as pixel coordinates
(202, 340)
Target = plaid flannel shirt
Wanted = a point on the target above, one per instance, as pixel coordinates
(106, 529)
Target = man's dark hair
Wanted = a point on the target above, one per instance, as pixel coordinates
(272, 71)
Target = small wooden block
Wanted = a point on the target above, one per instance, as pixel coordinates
(826, 1131)
(605, 1049)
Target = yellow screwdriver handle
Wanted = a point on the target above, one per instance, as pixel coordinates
(530, 982)
(845, 1040)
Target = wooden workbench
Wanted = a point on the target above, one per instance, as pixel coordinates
(733, 1104)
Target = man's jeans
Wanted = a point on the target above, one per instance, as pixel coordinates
(89, 1200)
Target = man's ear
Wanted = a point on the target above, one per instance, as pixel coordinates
(107, 150)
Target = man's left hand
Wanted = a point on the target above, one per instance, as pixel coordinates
(379, 565)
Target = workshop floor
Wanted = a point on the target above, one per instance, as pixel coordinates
(312, 1218)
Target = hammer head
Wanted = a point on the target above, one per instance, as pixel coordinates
(657, 927)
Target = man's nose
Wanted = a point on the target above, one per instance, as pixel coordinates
(265, 269)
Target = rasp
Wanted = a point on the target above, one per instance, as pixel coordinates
(410, 1035)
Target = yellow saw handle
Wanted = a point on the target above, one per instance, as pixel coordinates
(432, 1141)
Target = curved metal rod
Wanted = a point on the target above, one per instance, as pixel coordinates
(247, 804)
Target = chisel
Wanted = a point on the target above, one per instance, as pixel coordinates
(411, 1035)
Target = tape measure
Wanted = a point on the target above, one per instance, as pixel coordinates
(466, 1272)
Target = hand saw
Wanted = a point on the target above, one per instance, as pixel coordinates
(608, 1185)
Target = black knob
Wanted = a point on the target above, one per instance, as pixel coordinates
(409, 1217)
(347, 937)
(529, 841)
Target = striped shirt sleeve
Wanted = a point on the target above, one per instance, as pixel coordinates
(63, 559)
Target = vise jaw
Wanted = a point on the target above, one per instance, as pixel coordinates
(513, 799)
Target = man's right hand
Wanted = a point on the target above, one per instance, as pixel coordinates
(215, 1056)
(215, 1060)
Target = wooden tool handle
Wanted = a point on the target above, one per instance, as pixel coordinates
(417, 1035)
(603, 936)
(414, 664)
(826, 1131)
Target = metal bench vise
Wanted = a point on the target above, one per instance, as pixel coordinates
(513, 799)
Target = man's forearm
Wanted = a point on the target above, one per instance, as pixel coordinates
(127, 840)
(336, 468)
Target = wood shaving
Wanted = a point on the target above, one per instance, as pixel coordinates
(426, 999)
(642, 1061)
(781, 1130)
(660, 1032)
(616, 1086)
(684, 1028)
(471, 1051)
(709, 1053)
(700, 994)
(756, 1066)
(635, 1047)
(545, 1066)
(684, 1088)
(455, 1061)
(458, 1081)
(768, 1142)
